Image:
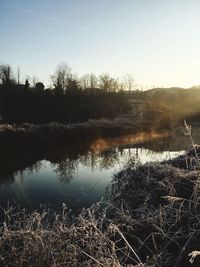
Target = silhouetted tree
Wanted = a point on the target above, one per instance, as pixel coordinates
(61, 77)
(66, 102)
(72, 86)
(85, 81)
(129, 82)
(39, 87)
(27, 84)
(88, 81)
(6, 75)
(93, 81)
(107, 83)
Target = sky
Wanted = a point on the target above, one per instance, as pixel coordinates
(157, 41)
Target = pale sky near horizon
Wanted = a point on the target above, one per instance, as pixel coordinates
(157, 41)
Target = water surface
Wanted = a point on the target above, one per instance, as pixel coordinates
(78, 174)
(77, 181)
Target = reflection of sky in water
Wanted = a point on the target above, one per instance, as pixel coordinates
(78, 182)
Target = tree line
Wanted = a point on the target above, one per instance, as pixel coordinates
(70, 98)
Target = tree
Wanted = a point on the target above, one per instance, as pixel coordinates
(61, 77)
(88, 81)
(129, 82)
(39, 87)
(72, 86)
(27, 84)
(6, 75)
(93, 81)
(85, 81)
(107, 83)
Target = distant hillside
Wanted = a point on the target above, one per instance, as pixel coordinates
(165, 91)
(173, 90)
(182, 103)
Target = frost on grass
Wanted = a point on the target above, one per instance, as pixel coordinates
(163, 203)
(51, 239)
(152, 220)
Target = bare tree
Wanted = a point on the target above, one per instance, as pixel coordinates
(85, 81)
(61, 76)
(93, 81)
(107, 83)
(116, 85)
(129, 82)
(88, 81)
(6, 74)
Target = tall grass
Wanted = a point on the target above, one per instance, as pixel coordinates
(47, 238)
(163, 200)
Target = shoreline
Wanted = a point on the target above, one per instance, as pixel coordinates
(23, 146)
(152, 220)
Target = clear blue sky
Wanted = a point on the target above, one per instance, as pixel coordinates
(158, 41)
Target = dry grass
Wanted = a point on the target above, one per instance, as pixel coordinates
(153, 220)
(47, 238)
(163, 202)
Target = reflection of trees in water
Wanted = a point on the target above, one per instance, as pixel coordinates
(6, 178)
(34, 168)
(128, 154)
(109, 158)
(67, 158)
(89, 159)
(65, 164)
(6, 171)
(100, 160)
(65, 169)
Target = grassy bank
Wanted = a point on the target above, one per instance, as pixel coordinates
(163, 204)
(55, 133)
(152, 220)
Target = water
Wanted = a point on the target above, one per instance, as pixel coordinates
(77, 179)
(79, 174)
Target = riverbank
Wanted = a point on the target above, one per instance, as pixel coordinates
(152, 220)
(162, 200)
(55, 133)
(23, 145)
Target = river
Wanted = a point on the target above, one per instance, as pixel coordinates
(79, 179)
